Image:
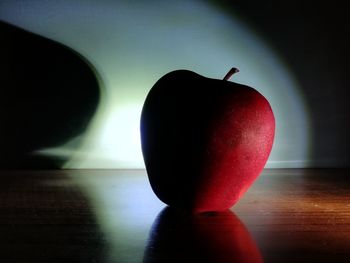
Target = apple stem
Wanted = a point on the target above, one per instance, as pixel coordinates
(230, 73)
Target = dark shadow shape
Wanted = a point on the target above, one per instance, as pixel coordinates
(45, 217)
(48, 95)
(206, 237)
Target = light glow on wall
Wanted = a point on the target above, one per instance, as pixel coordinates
(133, 44)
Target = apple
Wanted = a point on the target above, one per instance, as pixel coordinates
(204, 141)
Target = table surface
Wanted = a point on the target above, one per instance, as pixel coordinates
(288, 215)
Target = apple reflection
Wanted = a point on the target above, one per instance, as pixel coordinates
(206, 237)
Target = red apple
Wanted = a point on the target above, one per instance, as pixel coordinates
(204, 141)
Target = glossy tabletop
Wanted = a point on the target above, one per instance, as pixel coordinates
(288, 215)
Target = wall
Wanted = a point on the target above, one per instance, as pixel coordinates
(294, 53)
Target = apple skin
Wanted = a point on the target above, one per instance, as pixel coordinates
(204, 141)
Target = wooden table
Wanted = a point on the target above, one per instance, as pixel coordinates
(113, 216)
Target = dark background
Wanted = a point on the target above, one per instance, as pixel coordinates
(314, 39)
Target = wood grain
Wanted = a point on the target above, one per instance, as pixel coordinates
(288, 215)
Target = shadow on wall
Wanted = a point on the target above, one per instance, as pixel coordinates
(48, 95)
